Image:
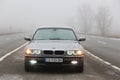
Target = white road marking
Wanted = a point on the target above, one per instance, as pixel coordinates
(101, 42)
(103, 61)
(115, 39)
(3, 57)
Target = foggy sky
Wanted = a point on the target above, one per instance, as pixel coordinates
(20, 15)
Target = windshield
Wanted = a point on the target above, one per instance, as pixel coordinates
(54, 34)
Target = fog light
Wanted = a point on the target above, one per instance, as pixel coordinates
(33, 61)
(74, 62)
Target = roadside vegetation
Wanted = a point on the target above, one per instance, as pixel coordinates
(97, 22)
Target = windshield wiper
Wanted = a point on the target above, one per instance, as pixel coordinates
(54, 39)
(58, 39)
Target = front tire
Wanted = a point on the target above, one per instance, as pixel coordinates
(27, 67)
(80, 68)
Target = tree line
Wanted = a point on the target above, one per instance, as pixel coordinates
(91, 21)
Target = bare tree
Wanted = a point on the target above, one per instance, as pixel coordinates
(86, 18)
(103, 20)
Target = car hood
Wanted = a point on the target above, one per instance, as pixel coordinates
(55, 45)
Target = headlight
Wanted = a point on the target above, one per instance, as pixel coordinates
(36, 51)
(75, 52)
(78, 52)
(28, 51)
(33, 51)
(70, 52)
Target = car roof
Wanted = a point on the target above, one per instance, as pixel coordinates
(68, 27)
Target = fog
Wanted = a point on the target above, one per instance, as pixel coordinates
(25, 15)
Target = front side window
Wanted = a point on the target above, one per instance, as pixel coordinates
(54, 34)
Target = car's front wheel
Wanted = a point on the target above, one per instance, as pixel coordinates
(27, 67)
(80, 68)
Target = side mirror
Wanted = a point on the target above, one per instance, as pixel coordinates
(82, 39)
(27, 38)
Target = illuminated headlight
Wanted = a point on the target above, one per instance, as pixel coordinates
(78, 52)
(28, 51)
(36, 51)
(33, 61)
(70, 52)
(33, 51)
(74, 52)
(74, 62)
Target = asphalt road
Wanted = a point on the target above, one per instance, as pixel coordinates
(10, 42)
(12, 67)
(106, 48)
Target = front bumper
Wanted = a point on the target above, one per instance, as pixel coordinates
(66, 61)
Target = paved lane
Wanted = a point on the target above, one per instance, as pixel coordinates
(106, 48)
(10, 42)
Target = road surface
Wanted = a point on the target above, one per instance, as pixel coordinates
(12, 67)
(106, 48)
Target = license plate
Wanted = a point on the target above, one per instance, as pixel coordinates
(58, 60)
